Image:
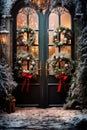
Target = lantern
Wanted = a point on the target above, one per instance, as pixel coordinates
(3, 36)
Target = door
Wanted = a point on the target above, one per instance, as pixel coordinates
(58, 18)
(39, 89)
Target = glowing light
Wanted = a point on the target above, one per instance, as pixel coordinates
(3, 36)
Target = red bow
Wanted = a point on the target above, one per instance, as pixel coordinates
(62, 78)
(26, 81)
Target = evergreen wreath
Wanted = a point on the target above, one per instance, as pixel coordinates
(32, 64)
(67, 36)
(31, 36)
(55, 64)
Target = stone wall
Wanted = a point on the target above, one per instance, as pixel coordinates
(6, 9)
(7, 6)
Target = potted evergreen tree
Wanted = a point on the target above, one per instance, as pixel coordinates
(7, 85)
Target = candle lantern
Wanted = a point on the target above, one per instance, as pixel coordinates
(4, 36)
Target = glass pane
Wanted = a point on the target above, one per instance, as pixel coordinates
(21, 20)
(53, 21)
(62, 64)
(31, 15)
(21, 49)
(66, 20)
(51, 37)
(27, 18)
(33, 20)
(34, 51)
(59, 17)
(36, 40)
(52, 50)
(24, 65)
(67, 50)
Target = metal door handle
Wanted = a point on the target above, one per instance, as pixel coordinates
(47, 69)
(40, 69)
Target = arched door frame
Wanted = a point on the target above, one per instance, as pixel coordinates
(21, 4)
(43, 20)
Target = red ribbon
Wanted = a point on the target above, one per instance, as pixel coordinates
(26, 82)
(62, 78)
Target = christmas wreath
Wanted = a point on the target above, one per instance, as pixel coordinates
(28, 39)
(25, 56)
(66, 32)
(60, 64)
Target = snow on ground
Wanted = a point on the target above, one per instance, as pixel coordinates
(33, 118)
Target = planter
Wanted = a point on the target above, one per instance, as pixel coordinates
(10, 107)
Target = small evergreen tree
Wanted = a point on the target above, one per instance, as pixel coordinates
(82, 75)
(77, 95)
(7, 83)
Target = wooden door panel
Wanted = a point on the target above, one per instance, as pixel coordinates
(54, 97)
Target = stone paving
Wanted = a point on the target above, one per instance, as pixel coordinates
(31, 118)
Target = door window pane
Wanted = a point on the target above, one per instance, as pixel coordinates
(34, 50)
(66, 20)
(53, 21)
(52, 50)
(50, 37)
(67, 50)
(27, 18)
(59, 19)
(21, 20)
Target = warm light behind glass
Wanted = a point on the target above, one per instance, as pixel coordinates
(52, 50)
(27, 17)
(22, 20)
(65, 21)
(67, 50)
(53, 21)
(3, 38)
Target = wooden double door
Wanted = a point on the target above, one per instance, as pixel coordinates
(43, 88)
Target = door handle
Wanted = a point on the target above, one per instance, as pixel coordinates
(40, 69)
(47, 69)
